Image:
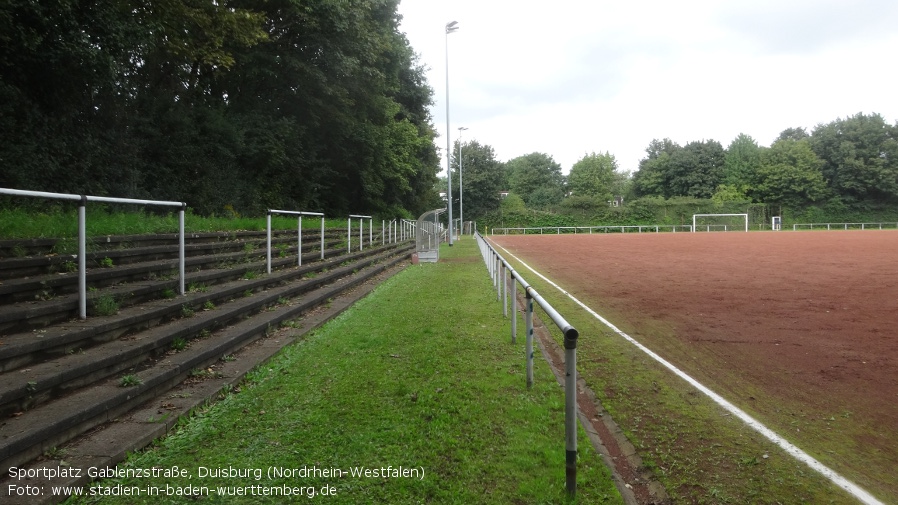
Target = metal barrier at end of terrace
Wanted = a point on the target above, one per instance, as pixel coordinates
(361, 230)
(500, 270)
(298, 232)
(82, 232)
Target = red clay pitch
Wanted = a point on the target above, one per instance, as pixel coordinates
(783, 324)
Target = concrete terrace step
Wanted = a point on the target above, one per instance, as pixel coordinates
(24, 348)
(109, 443)
(58, 381)
(49, 342)
(27, 436)
(50, 262)
(54, 308)
(46, 246)
(27, 278)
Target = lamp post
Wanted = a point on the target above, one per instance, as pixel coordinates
(450, 27)
(461, 194)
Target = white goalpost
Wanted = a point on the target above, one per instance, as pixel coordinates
(709, 226)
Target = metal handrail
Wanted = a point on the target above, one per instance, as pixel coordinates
(82, 232)
(298, 233)
(499, 267)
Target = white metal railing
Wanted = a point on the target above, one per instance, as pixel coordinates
(407, 229)
(82, 232)
(846, 226)
(500, 272)
(361, 231)
(559, 230)
(394, 230)
(668, 228)
(298, 233)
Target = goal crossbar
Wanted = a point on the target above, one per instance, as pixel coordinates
(694, 216)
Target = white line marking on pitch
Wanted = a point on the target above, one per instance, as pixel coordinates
(784, 444)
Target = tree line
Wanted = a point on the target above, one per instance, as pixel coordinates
(846, 166)
(230, 106)
(243, 105)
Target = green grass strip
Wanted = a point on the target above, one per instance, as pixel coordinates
(421, 375)
(60, 223)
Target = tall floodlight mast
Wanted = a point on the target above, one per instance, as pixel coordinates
(461, 191)
(450, 28)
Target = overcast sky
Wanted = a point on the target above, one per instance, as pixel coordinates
(571, 77)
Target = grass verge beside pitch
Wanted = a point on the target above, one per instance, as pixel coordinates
(419, 375)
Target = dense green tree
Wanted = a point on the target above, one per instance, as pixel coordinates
(789, 175)
(537, 178)
(595, 175)
(481, 180)
(696, 170)
(743, 157)
(244, 103)
(650, 178)
(860, 157)
(798, 133)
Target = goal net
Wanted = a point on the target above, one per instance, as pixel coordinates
(719, 222)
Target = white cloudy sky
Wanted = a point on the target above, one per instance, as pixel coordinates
(569, 77)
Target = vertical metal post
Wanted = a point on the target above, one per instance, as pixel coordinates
(383, 231)
(181, 250)
(361, 231)
(528, 346)
(504, 290)
(82, 258)
(570, 410)
(371, 232)
(514, 310)
(299, 242)
(322, 237)
(498, 276)
(268, 242)
(348, 235)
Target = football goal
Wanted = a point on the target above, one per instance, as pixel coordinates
(719, 222)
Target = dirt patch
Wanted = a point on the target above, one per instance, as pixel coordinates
(783, 324)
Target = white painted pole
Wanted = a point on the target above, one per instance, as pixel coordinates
(181, 252)
(514, 310)
(268, 242)
(322, 237)
(528, 345)
(82, 258)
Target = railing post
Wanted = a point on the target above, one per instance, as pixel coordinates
(514, 310)
(322, 236)
(82, 258)
(299, 242)
(268, 242)
(528, 346)
(570, 410)
(498, 274)
(504, 290)
(348, 235)
(361, 232)
(181, 250)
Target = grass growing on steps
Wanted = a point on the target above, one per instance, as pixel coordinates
(420, 374)
(60, 223)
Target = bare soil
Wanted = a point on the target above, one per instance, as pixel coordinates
(787, 325)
